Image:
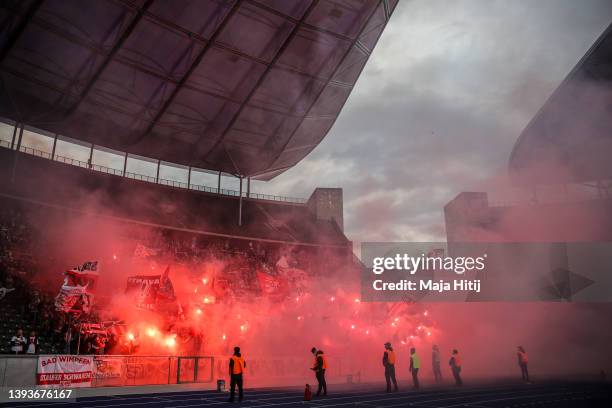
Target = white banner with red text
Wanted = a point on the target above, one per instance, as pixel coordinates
(64, 371)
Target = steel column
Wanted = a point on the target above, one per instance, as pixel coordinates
(14, 135)
(54, 147)
(90, 161)
(16, 157)
(240, 205)
(20, 137)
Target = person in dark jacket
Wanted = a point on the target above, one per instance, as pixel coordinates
(237, 366)
(435, 362)
(319, 366)
(521, 355)
(455, 364)
(32, 346)
(389, 364)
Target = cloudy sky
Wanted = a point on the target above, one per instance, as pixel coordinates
(439, 106)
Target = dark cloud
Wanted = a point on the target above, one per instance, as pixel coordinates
(439, 106)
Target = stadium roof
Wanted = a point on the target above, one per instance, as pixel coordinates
(247, 87)
(570, 138)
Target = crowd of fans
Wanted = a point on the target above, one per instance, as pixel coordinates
(33, 310)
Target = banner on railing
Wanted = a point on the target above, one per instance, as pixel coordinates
(115, 371)
(64, 371)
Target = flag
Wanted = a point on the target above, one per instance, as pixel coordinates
(166, 290)
(76, 293)
(88, 268)
(144, 289)
(73, 299)
(142, 251)
(151, 290)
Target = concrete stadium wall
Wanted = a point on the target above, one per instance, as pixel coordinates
(18, 371)
(45, 181)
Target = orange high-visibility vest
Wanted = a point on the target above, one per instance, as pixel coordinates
(238, 365)
(324, 361)
(390, 357)
(314, 363)
(523, 357)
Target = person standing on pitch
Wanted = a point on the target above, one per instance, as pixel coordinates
(415, 364)
(319, 366)
(523, 359)
(435, 363)
(236, 369)
(389, 364)
(455, 364)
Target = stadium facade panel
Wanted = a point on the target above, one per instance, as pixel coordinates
(570, 138)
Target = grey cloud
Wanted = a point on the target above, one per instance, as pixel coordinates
(439, 106)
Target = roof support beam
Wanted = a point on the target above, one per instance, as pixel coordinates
(314, 101)
(10, 43)
(261, 79)
(130, 28)
(192, 68)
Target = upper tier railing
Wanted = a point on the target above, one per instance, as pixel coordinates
(150, 179)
